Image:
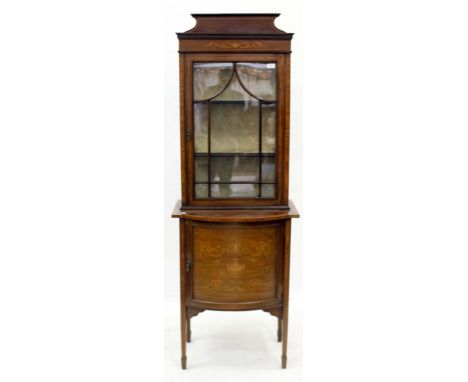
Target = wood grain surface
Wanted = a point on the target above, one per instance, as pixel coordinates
(234, 264)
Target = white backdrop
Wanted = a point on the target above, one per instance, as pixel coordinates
(83, 209)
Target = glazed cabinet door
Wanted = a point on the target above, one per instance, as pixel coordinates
(234, 266)
(234, 129)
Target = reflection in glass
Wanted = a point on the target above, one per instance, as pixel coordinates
(268, 128)
(234, 190)
(200, 121)
(268, 169)
(268, 190)
(259, 79)
(234, 169)
(210, 78)
(201, 168)
(201, 190)
(234, 127)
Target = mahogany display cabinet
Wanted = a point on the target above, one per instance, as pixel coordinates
(235, 215)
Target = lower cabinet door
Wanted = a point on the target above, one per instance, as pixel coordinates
(234, 263)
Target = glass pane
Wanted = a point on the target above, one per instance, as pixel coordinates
(268, 128)
(268, 169)
(234, 127)
(234, 169)
(210, 78)
(201, 190)
(259, 79)
(232, 114)
(234, 190)
(201, 168)
(200, 121)
(268, 190)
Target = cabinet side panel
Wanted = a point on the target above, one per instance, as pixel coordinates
(234, 264)
(183, 154)
(287, 96)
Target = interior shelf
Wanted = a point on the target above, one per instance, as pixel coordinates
(236, 102)
(237, 154)
(234, 182)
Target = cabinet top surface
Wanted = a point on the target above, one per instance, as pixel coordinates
(235, 25)
(235, 215)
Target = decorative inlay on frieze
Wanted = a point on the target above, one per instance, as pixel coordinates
(235, 44)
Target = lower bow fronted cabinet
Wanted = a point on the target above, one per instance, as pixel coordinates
(234, 260)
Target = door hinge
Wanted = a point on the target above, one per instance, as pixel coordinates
(187, 266)
(188, 135)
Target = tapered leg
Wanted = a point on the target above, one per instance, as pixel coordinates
(287, 243)
(189, 332)
(183, 307)
(280, 331)
(284, 358)
(183, 332)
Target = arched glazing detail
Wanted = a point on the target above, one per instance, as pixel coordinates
(259, 79)
(210, 79)
(234, 111)
(234, 92)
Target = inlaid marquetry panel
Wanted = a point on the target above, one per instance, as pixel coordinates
(279, 46)
(232, 264)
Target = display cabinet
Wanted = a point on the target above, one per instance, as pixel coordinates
(235, 216)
